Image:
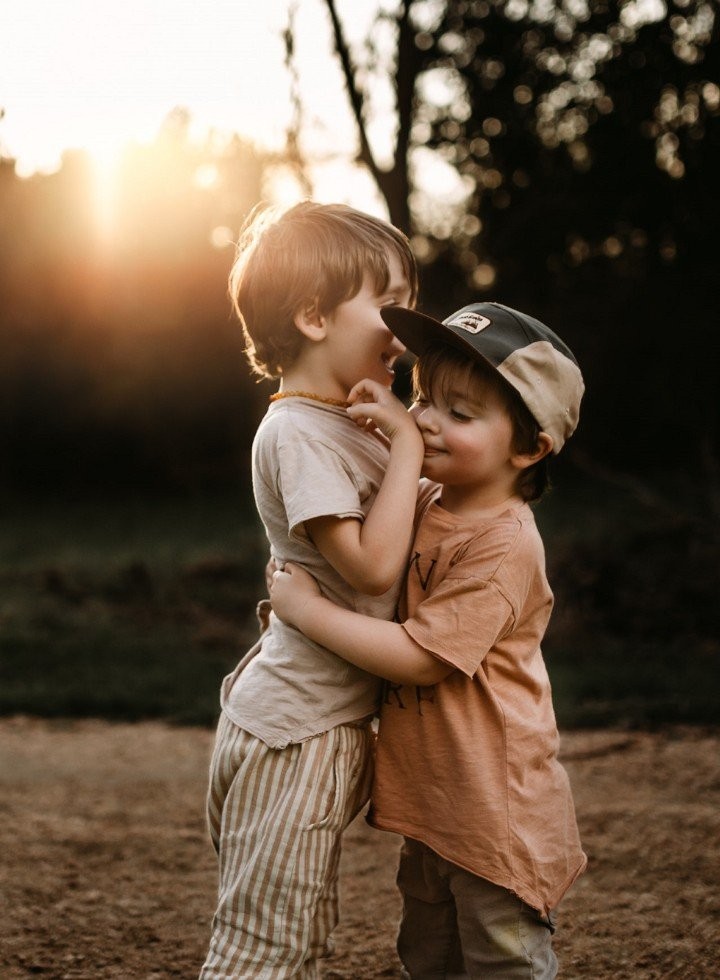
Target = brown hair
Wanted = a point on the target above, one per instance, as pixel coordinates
(311, 255)
(444, 362)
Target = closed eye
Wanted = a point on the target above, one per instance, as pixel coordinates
(395, 297)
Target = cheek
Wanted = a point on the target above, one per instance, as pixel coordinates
(461, 443)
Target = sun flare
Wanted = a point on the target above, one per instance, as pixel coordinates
(94, 76)
(104, 78)
(105, 168)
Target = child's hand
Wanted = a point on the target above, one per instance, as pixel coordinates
(262, 611)
(290, 592)
(373, 406)
(270, 570)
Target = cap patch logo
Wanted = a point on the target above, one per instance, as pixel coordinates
(471, 322)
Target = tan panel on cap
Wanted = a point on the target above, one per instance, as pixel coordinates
(551, 386)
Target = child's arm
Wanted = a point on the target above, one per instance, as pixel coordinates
(371, 554)
(379, 647)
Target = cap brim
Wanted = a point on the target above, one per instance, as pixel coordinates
(418, 332)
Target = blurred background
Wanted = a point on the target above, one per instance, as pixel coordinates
(560, 156)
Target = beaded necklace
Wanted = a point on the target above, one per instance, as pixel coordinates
(308, 394)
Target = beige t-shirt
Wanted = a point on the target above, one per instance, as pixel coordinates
(309, 460)
(469, 766)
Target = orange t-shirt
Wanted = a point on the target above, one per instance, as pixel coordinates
(469, 766)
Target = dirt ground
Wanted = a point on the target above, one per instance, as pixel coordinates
(106, 870)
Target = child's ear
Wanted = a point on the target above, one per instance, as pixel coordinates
(522, 461)
(310, 322)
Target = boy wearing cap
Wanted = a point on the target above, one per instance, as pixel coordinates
(466, 767)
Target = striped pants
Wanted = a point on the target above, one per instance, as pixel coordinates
(276, 817)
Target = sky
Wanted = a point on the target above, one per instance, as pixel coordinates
(95, 74)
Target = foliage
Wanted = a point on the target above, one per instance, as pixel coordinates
(128, 609)
(561, 156)
(560, 104)
(121, 365)
(136, 608)
(634, 631)
(515, 97)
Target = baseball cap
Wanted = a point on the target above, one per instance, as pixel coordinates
(526, 353)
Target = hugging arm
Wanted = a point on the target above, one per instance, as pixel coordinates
(380, 647)
(371, 554)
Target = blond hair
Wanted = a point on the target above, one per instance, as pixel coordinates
(311, 256)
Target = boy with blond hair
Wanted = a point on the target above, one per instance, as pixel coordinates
(291, 765)
(467, 763)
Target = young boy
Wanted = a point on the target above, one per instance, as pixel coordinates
(466, 765)
(290, 765)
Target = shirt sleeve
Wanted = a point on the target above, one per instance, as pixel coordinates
(473, 606)
(315, 480)
(461, 622)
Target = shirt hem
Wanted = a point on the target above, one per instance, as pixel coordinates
(280, 740)
(276, 738)
(525, 894)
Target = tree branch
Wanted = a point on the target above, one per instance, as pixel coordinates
(357, 98)
(293, 150)
(393, 184)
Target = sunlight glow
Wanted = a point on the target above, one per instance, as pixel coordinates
(94, 75)
(222, 237)
(206, 176)
(105, 169)
(99, 76)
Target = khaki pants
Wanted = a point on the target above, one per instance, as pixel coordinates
(276, 817)
(458, 926)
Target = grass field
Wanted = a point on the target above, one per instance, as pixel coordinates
(136, 608)
(127, 609)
